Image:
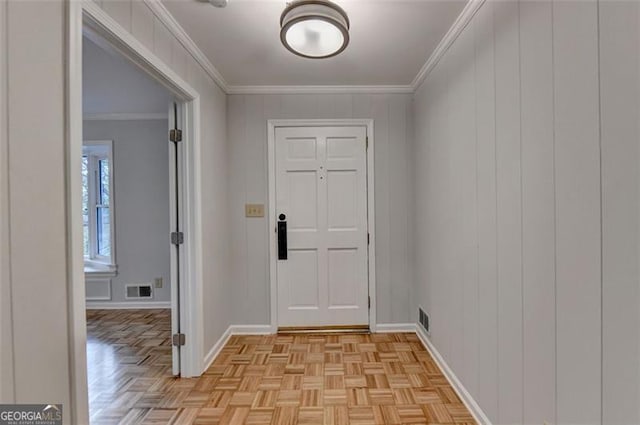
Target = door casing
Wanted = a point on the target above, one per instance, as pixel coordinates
(273, 242)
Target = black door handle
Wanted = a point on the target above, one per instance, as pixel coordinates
(282, 237)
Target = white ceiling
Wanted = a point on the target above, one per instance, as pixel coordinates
(390, 41)
(113, 85)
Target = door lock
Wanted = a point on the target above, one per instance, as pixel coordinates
(282, 237)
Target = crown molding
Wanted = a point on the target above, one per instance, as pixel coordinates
(318, 89)
(181, 35)
(128, 116)
(460, 24)
(161, 12)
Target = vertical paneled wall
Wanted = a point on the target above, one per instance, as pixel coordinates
(620, 138)
(526, 181)
(36, 209)
(578, 232)
(136, 17)
(247, 125)
(538, 211)
(6, 346)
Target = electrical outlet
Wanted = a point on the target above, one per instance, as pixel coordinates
(158, 282)
(254, 210)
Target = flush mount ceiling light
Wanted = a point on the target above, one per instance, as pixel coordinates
(314, 29)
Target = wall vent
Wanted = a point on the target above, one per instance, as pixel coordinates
(139, 291)
(423, 319)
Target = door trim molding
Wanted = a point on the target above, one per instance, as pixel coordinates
(87, 16)
(271, 167)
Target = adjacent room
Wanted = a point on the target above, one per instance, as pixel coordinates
(126, 205)
(331, 212)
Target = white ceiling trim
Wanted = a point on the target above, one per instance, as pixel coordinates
(456, 29)
(452, 34)
(176, 29)
(318, 89)
(137, 116)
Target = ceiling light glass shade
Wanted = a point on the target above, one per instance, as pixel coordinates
(314, 28)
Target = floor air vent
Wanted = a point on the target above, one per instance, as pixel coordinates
(423, 319)
(139, 291)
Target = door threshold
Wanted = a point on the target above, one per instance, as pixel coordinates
(324, 329)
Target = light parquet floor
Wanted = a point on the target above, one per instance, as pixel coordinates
(264, 380)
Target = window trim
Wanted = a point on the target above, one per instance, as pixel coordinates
(100, 264)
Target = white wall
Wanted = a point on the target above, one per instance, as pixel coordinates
(6, 345)
(620, 138)
(36, 202)
(136, 17)
(526, 180)
(141, 196)
(247, 124)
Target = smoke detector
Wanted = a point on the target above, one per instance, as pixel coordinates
(219, 3)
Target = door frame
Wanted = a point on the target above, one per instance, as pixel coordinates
(87, 15)
(272, 125)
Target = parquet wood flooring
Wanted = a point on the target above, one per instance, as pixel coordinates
(337, 379)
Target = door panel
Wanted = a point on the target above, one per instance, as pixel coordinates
(321, 191)
(302, 148)
(342, 147)
(342, 207)
(343, 270)
(302, 193)
(303, 269)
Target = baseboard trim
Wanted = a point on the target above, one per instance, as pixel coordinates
(132, 305)
(233, 330)
(395, 327)
(480, 417)
(217, 347)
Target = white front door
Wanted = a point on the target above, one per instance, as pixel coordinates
(321, 196)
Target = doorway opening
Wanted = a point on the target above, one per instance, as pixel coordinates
(94, 250)
(132, 219)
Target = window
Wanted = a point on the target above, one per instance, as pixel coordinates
(97, 206)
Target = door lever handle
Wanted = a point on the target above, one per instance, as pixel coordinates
(282, 237)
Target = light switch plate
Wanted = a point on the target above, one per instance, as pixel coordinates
(254, 210)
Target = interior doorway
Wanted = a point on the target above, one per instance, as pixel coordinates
(132, 217)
